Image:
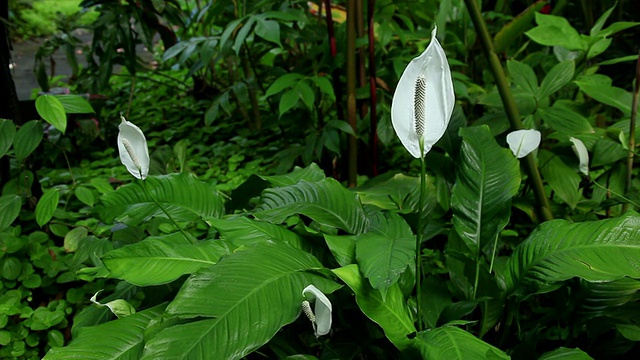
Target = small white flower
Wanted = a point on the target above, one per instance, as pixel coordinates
(132, 146)
(321, 316)
(424, 100)
(582, 153)
(523, 142)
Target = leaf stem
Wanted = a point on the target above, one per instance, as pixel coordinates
(419, 234)
(632, 135)
(509, 105)
(144, 186)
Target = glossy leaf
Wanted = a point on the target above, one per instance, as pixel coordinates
(563, 353)
(325, 201)
(523, 76)
(450, 342)
(311, 173)
(565, 120)
(558, 250)
(75, 104)
(47, 206)
(27, 139)
(119, 340)
(390, 312)
(161, 260)
(245, 231)
(488, 177)
(182, 195)
(599, 87)
(556, 31)
(559, 76)
(563, 179)
(239, 304)
(52, 111)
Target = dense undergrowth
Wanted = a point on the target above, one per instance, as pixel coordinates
(245, 112)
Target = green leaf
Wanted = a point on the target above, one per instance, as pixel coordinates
(488, 177)
(286, 81)
(386, 251)
(390, 312)
(522, 22)
(47, 206)
(311, 173)
(52, 111)
(7, 133)
(161, 260)
(9, 209)
(563, 353)
(288, 100)
(599, 87)
(268, 30)
(556, 31)
(523, 76)
(325, 201)
(75, 104)
(73, 238)
(245, 231)
(27, 139)
(565, 120)
(559, 76)
(85, 195)
(564, 180)
(558, 250)
(119, 340)
(343, 248)
(397, 192)
(182, 195)
(451, 343)
(239, 304)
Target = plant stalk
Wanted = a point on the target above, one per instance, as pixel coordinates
(419, 234)
(352, 114)
(632, 135)
(510, 108)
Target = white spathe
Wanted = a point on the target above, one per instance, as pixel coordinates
(582, 153)
(424, 92)
(322, 310)
(523, 142)
(132, 146)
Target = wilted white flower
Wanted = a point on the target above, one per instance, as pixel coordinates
(132, 146)
(582, 153)
(424, 99)
(523, 142)
(321, 315)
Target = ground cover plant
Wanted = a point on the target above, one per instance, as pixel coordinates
(205, 207)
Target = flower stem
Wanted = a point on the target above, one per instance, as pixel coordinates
(632, 136)
(419, 234)
(509, 105)
(144, 186)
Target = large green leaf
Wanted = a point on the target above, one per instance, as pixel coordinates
(119, 339)
(558, 250)
(558, 76)
(47, 206)
(27, 139)
(565, 120)
(599, 87)
(325, 201)
(75, 104)
(488, 177)
(246, 231)
(390, 312)
(160, 260)
(9, 209)
(595, 298)
(564, 180)
(397, 192)
(311, 173)
(7, 133)
(565, 354)
(240, 303)
(182, 195)
(386, 251)
(52, 111)
(451, 343)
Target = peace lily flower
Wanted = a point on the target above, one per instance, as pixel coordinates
(523, 142)
(582, 153)
(132, 146)
(424, 99)
(321, 315)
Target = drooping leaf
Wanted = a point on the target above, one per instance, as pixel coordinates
(239, 303)
(325, 201)
(120, 339)
(599, 87)
(558, 250)
(47, 206)
(450, 342)
(52, 111)
(160, 260)
(487, 179)
(390, 312)
(182, 195)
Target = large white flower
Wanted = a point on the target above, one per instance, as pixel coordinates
(582, 153)
(132, 146)
(424, 99)
(523, 142)
(321, 315)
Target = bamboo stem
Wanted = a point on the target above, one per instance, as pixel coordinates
(509, 105)
(352, 115)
